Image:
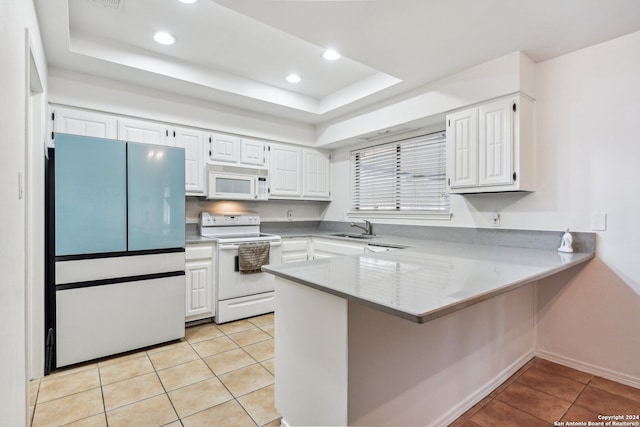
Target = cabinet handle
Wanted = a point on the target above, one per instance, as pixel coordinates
(514, 109)
(514, 176)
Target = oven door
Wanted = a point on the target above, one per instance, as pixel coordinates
(232, 283)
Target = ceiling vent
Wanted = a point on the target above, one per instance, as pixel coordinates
(387, 132)
(110, 4)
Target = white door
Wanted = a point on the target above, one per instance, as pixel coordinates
(199, 298)
(224, 148)
(252, 152)
(284, 171)
(495, 143)
(316, 173)
(85, 123)
(462, 148)
(132, 130)
(192, 140)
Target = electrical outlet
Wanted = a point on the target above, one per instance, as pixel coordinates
(290, 215)
(495, 219)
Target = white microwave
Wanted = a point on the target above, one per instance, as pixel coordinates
(236, 183)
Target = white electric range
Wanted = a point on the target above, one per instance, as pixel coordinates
(239, 295)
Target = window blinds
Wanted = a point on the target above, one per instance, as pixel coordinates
(407, 175)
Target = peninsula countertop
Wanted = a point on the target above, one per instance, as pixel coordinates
(426, 282)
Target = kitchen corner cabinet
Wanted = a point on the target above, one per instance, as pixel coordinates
(85, 123)
(490, 147)
(316, 174)
(285, 171)
(200, 286)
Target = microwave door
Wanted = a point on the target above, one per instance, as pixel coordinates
(234, 187)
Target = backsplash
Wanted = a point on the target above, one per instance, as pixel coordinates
(272, 210)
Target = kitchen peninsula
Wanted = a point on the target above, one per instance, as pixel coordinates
(408, 337)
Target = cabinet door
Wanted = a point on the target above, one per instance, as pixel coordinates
(495, 143)
(284, 170)
(199, 289)
(132, 130)
(85, 123)
(224, 148)
(252, 152)
(462, 149)
(192, 141)
(316, 174)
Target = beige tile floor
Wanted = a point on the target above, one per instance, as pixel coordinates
(219, 375)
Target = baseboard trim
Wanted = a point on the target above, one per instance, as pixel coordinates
(590, 369)
(484, 391)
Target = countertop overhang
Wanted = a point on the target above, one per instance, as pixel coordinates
(430, 281)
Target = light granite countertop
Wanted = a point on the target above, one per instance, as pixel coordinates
(429, 280)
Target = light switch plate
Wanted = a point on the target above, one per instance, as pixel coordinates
(599, 222)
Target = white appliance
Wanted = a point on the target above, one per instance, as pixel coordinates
(239, 295)
(237, 183)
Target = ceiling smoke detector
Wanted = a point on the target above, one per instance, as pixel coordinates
(110, 4)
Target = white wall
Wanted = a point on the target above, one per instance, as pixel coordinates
(588, 106)
(15, 17)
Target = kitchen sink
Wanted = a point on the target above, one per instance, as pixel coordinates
(355, 235)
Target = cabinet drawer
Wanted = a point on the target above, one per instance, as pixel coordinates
(198, 252)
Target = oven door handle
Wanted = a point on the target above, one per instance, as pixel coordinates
(233, 246)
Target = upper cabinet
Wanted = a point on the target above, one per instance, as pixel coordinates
(252, 152)
(85, 123)
(316, 176)
(490, 147)
(299, 173)
(235, 150)
(224, 148)
(285, 176)
(195, 157)
(143, 131)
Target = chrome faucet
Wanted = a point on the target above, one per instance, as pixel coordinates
(366, 228)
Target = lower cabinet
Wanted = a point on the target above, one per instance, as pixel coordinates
(200, 281)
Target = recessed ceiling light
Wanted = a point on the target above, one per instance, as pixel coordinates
(187, 1)
(293, 78)
(330, 55)
(163, 37)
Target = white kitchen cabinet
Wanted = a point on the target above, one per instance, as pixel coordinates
(82, 122)
(224, 148)
(195, 151)
(316, 173)
(490, 147)
(144, 131)
(285, 174)
(329, 248)
(295, 249)
(200, 282)
(252, 152)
